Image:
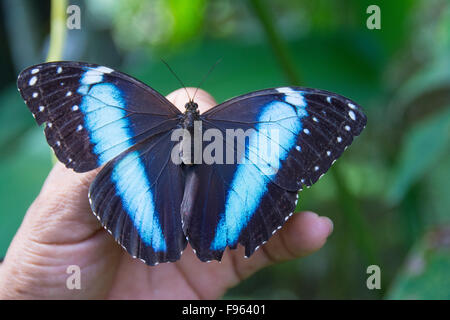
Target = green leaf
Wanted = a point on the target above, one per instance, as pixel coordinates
(424, 145)
(431, 77)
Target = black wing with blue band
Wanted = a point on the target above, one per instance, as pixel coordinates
(137, 197)
(95, 116)
(93, 113)
(248, 202)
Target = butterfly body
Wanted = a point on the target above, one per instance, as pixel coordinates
(214, 180)
(191, 133)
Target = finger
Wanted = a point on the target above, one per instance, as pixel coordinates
(304, 233)
(58, 230)
(62, 206)
(204, 100)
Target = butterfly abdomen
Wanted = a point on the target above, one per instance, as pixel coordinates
(191, 142)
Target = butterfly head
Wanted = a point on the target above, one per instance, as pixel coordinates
(191, 107)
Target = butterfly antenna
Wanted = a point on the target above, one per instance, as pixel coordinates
(179, 80)
(206, 76)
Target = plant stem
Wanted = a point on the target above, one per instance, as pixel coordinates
(357, 224)
(57, 37)
(57, 29)
(278, 45)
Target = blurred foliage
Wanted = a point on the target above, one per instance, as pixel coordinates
(425, 274)
(387, 195)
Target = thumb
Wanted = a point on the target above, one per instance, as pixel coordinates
(61, 213)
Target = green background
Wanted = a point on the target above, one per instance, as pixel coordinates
(389, 193)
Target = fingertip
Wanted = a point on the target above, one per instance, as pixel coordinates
(71, 184)
(180, 97)
(308, 232)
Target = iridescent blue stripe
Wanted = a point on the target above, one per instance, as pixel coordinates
(109, 130)
(280, 123)
(134, 188)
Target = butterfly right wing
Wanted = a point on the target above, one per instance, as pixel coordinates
(92, 113)
(137, 198)
(294, 135)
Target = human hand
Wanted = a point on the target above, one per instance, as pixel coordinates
(59, 230)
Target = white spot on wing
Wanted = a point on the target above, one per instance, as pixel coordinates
(352, 115)
(59, 70)
(34, 71)
(306, 131)
(32, 81)
(69, 93)
(104, 69)
(339, 139)
(80, 127)
(35, 94)
(293, 97)
(351, 106)
(347, 128)
(41, 108)
(75, 108)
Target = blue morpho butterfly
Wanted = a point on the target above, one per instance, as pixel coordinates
(154, 206)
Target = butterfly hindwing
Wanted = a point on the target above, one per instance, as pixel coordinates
(137, 197)
(92, 113)
(308, 129)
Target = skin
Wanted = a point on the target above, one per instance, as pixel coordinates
(59, 230)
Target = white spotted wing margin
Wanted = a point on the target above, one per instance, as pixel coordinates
(92, 113)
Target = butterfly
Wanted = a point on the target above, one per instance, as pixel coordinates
(154, 206)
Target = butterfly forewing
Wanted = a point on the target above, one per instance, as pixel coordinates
(92, 113)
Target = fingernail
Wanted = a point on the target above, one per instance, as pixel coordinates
(330, 224)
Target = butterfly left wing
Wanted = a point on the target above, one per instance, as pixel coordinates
(95, 116)
(293, 137)
(92, 113)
